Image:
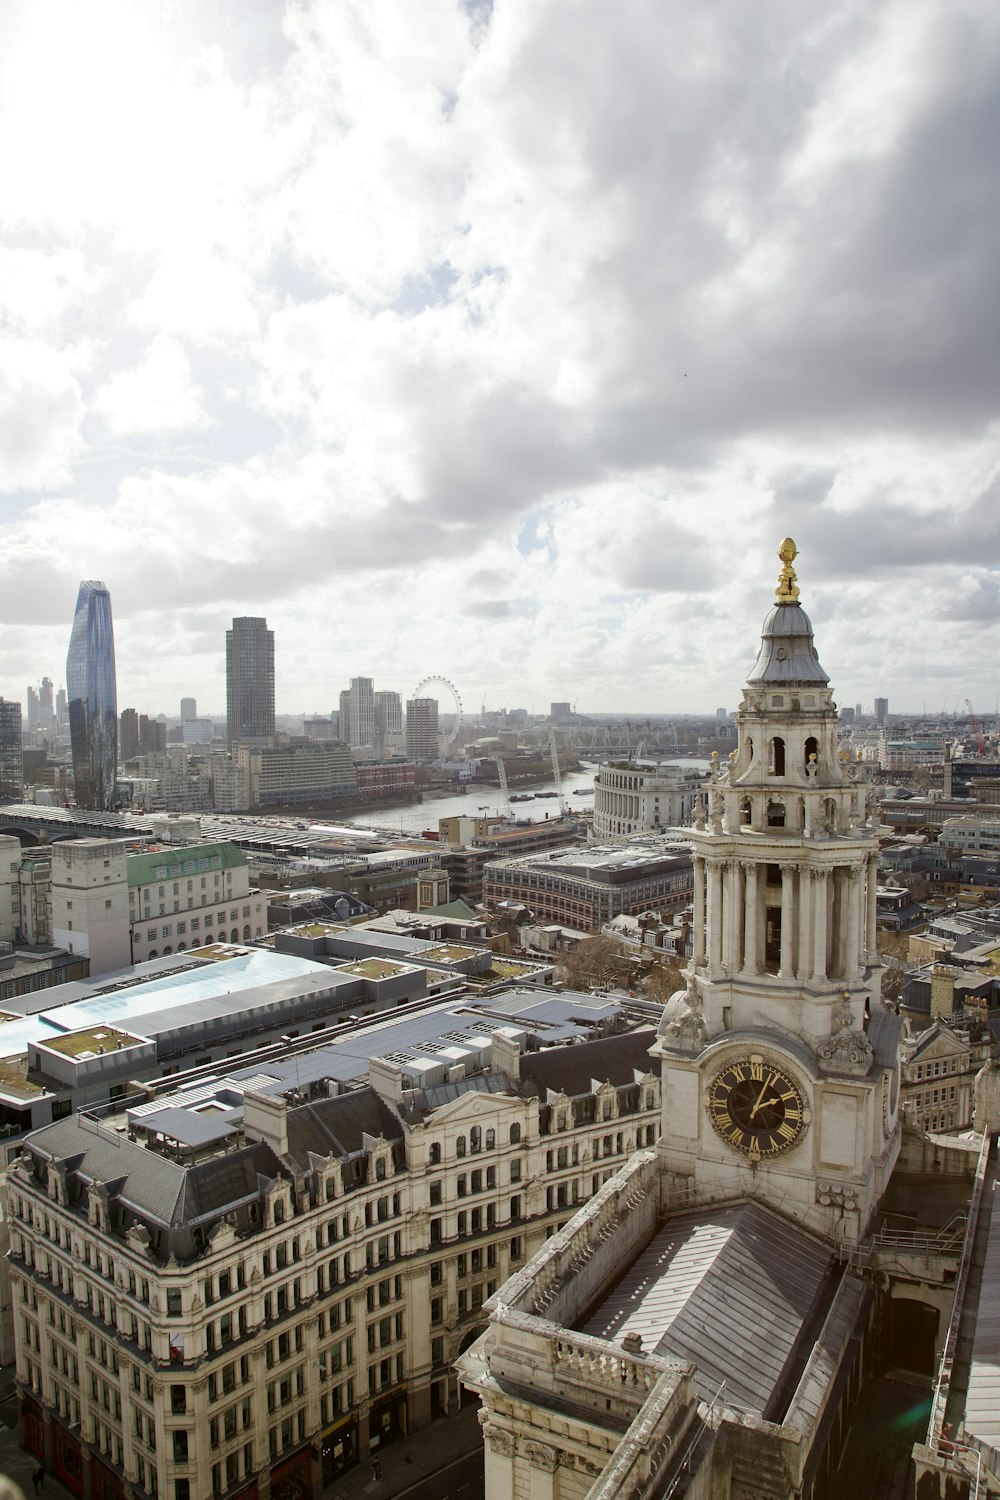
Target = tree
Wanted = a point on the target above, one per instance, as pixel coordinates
(893, 948)
(664, 979)
(598, 962)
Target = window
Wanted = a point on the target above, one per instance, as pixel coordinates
(434, 1153)
(475, 1138)
(491, 1140)
(460, 1145)
(515, 1134)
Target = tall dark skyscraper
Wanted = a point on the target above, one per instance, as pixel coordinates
(249, 681)
(93, 698)
(11, 767)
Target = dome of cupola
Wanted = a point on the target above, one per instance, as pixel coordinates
(787, 653)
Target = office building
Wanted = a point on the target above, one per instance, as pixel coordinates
(189, 708)
(388, 721)
(586, 888)
(249, 681)
(360, 717)
(89, 896)
(128, 734)
(559, 713)
(631, 798)
(422, 729)
(272, 1271)
(881, 710)
(11, 757)
(92, 698)
(296, 775)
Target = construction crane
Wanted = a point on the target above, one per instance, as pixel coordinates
(976, 729)
(505, 806)
(556, 773)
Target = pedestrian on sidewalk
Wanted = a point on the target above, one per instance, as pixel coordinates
(38, 1477)
(377, 1470)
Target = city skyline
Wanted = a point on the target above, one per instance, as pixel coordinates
(501, 340)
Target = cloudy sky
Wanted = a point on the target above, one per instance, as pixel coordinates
(502, 341)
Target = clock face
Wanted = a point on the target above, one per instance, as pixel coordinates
(756, 1107)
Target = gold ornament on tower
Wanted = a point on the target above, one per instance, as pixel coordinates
(787, 591)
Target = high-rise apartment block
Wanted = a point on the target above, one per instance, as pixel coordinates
(361, 713)
(881, 710)
(422, 729)
(11, 760)
(128, 733)
(249, 681)
(93, 701)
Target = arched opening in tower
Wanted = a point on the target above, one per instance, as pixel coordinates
(776, 757)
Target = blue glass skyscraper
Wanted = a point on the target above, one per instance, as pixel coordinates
(93, 698)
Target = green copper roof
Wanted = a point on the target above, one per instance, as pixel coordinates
(174, 864)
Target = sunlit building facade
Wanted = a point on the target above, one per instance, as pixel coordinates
(93, 698)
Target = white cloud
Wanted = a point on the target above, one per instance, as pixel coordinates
(157, 395)
(528, 332)
(40, 415)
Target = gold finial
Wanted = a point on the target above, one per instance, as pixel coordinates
(787, 591)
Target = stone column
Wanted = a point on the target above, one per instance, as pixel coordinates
(699, 910)
(806, 891)
(785, 970)
(854, 890)
(871, 940)
(819, 923)
(714, 917)
(751, 947)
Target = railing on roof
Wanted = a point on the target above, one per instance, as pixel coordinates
(942, 1385)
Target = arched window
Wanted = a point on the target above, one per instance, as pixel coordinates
(182, 947)
(775, 815)
(811, 751)
(234, 936)
(491, 1139)
(515, 1134)
(435, 1153)
(246, 934)
(460, 1145)
(746, 816)
(153, 953)
(776, 757)
(830, 815)
(475, 1138)
(167, 950)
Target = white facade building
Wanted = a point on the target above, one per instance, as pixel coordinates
(234, 1290)
(698, 1328)
(630, 798)
(185, 898)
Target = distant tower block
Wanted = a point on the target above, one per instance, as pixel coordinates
(93, 698)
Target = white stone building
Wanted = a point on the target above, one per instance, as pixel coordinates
(188, 897)
(244, 1288)
(631, 798)
(89, 898)
(703, 1326)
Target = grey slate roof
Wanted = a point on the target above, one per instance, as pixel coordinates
(731, 1290)
(338, 1126)
(156, 1187)
(570, 1070)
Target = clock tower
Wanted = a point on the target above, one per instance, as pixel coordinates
(780, 1063)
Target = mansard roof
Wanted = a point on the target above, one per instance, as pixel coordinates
(572, 1070)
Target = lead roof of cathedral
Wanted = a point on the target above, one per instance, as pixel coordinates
(787, 652)
(735, 1291)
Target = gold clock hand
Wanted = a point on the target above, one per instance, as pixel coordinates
(760, 1099)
